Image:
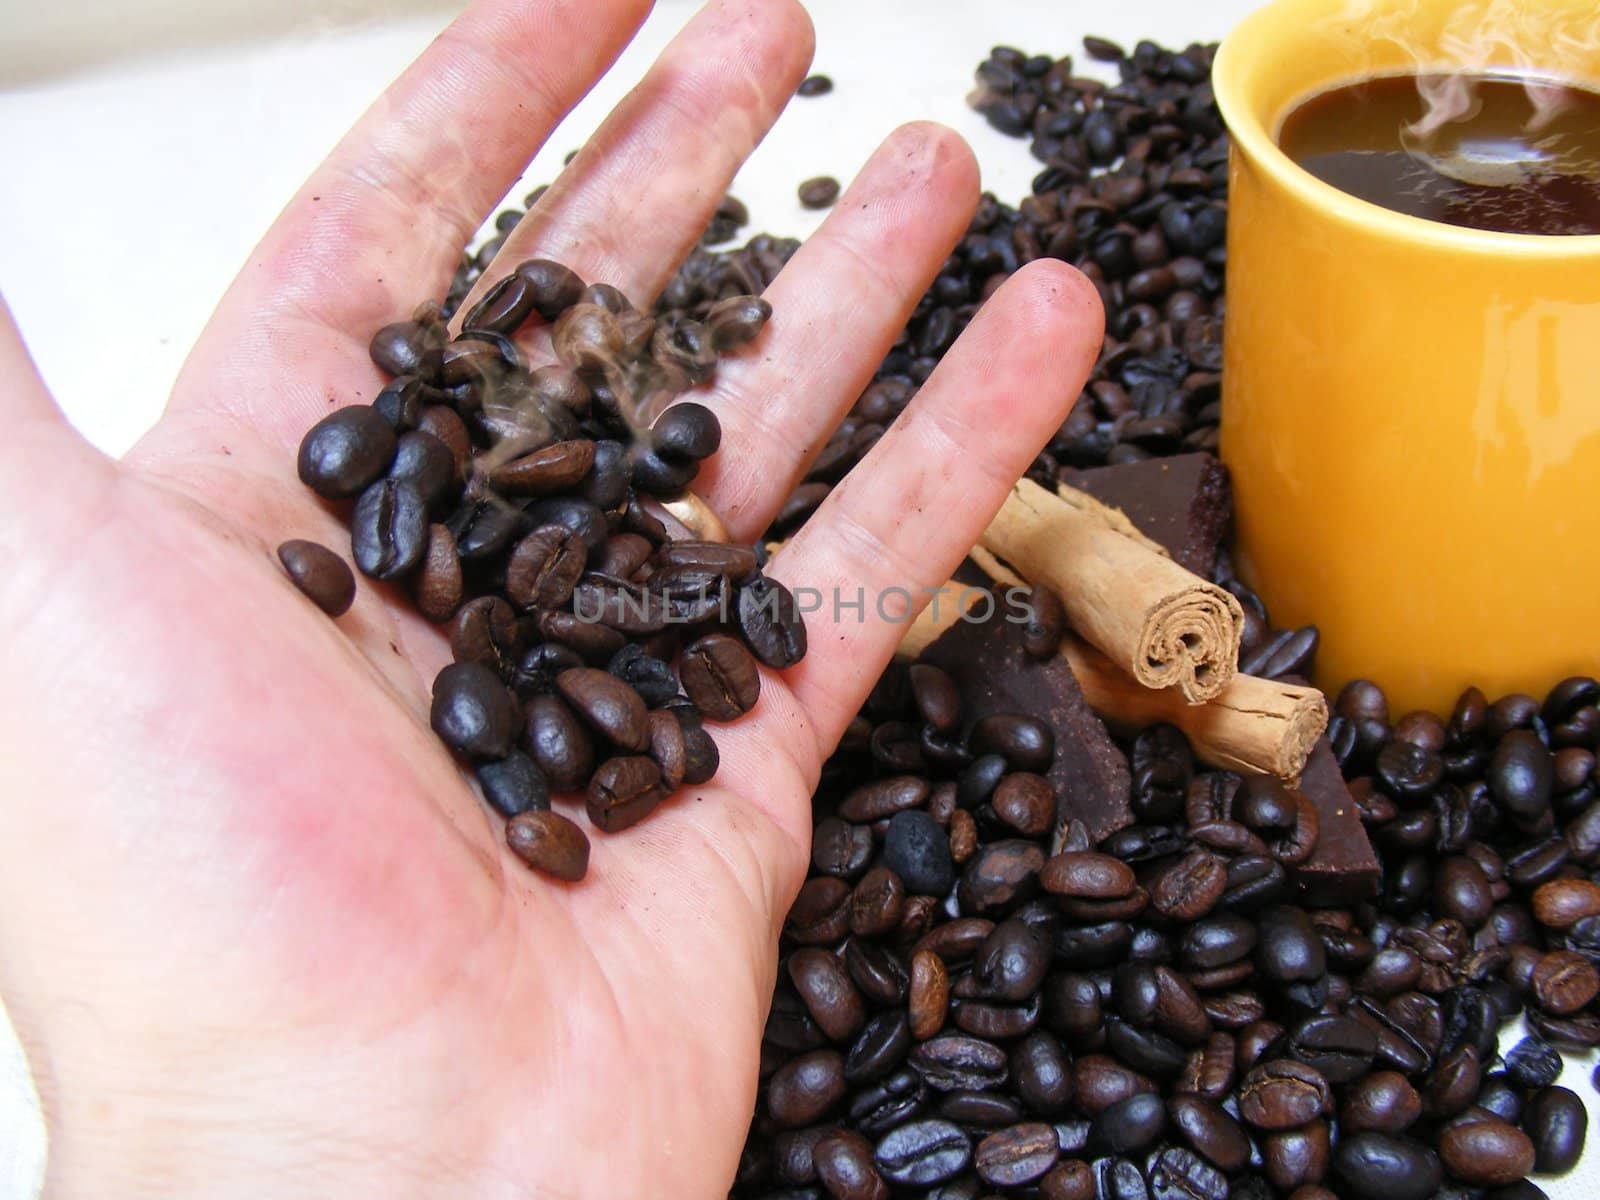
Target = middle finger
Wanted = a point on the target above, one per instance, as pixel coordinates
(628, 209)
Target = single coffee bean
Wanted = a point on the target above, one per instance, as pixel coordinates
(1383, 1102)
(928, 1000)
(1561, 903)
(987, 1110)
(1284, 1094)
(825, 988)
(1072, 1180)
(1210, 1131)
(1102, 1081)
(545, 471)
(737, 320)
(320, 574)
(545, 567)
(1013, 961)
(1532, 1064)
(555, 287)
(720, 676)
(1520, 776)
(1000, 875)
(623, 791)
(820, 192)
(1088, 875)
(514, 785)
(1026, 802)
(1191, 887)
(398, 348)
(923, 1153)
(389, 529)
(1486, 1153)
(954, 1061)
(439, 585)
(877, 904)
(668, 748)
(473, 712)
(1041, 635)
(844, 1163)
(1025, 742)
(880, 1048)
(1017, 1156)
(769, 619)
(1041, 1074)
(1564, 982)
(426, 463)
(558, 743)
(1394, 1168)
(1340, 1048)
(820, 914)
(805, 1089)
(1288, 949)
(550, 844)
(1129, 1126)
(814, 85)
(918, 851)
(345, 452)
(609, 705)
(1558, 1125)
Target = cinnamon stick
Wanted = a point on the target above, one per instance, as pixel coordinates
(1165, 627)
(1253, 725)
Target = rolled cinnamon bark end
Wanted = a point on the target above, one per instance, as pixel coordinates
(1253, 725)
(1160, 624)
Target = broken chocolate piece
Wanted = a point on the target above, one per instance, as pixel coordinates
(1185, 503)
(1342, 869)
(995, 675)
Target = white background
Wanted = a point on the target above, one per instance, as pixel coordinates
(150, 142)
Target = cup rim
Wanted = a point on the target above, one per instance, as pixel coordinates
(1249, 136)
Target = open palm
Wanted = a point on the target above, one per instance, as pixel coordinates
(256, 931)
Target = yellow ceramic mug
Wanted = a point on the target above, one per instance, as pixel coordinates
(1411, 410)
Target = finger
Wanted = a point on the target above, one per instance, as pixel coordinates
(638, 196)
(40, 449)
(381, 224)
(837, 308)
(904, 518)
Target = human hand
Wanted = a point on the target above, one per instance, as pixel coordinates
(257, 933)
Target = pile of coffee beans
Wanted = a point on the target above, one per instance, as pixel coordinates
(522, 506)
(976, 1000)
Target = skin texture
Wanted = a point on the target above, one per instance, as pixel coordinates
(257, 933)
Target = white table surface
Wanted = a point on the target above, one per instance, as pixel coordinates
(150, 142)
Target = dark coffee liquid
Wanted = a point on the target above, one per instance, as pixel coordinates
(1502, 153)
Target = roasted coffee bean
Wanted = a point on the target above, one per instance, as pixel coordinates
(1087, 875)
(1012, 962)
(1000, 875)
(558, 743)
(814, 85)
(320, 574)
(1556, 1122)
(473, 712)
(1072, 1180)
(844, 1163)
(570, 512)
(1120, 1179)
(1191, 887)
(550, 844)
(610, 706)
(1383, 1102)
(398, 348)
(1288, 950)
(770, 620)
(1461, 891)
(877, 904)
(623, 791)
(545, 567)
(928, 999)
(1102, 1082)
(686, 432)
(1016, 1156)
(1532, 1064)
(1559, 904)
(389, 529)
(1217, 941)
(1041, 1074)
(1025, 742)
(923, 1153)
(1128, 1126)
(555, 287)
(426, 463)
(1283, 1094)
(1178, 1174)
(918, 851)
(1520, 776)
(514, 785)
(881, 1046)
(537, 669)
(830, 997)
(1026, 802)
(1340, 1048)
(1486, 1153)
(806, 1088)
(439, 586)
(954, 1061)
(1564, 982)
(839, 848)
(820, 192)
(1041, 635)
(545, 471)
(1380, 1165)
(1210, 1131)
(720, 676)
(345, 452)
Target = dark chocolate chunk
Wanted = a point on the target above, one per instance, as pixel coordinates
(1185, 502)
(1342, 869)
(995, 675)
